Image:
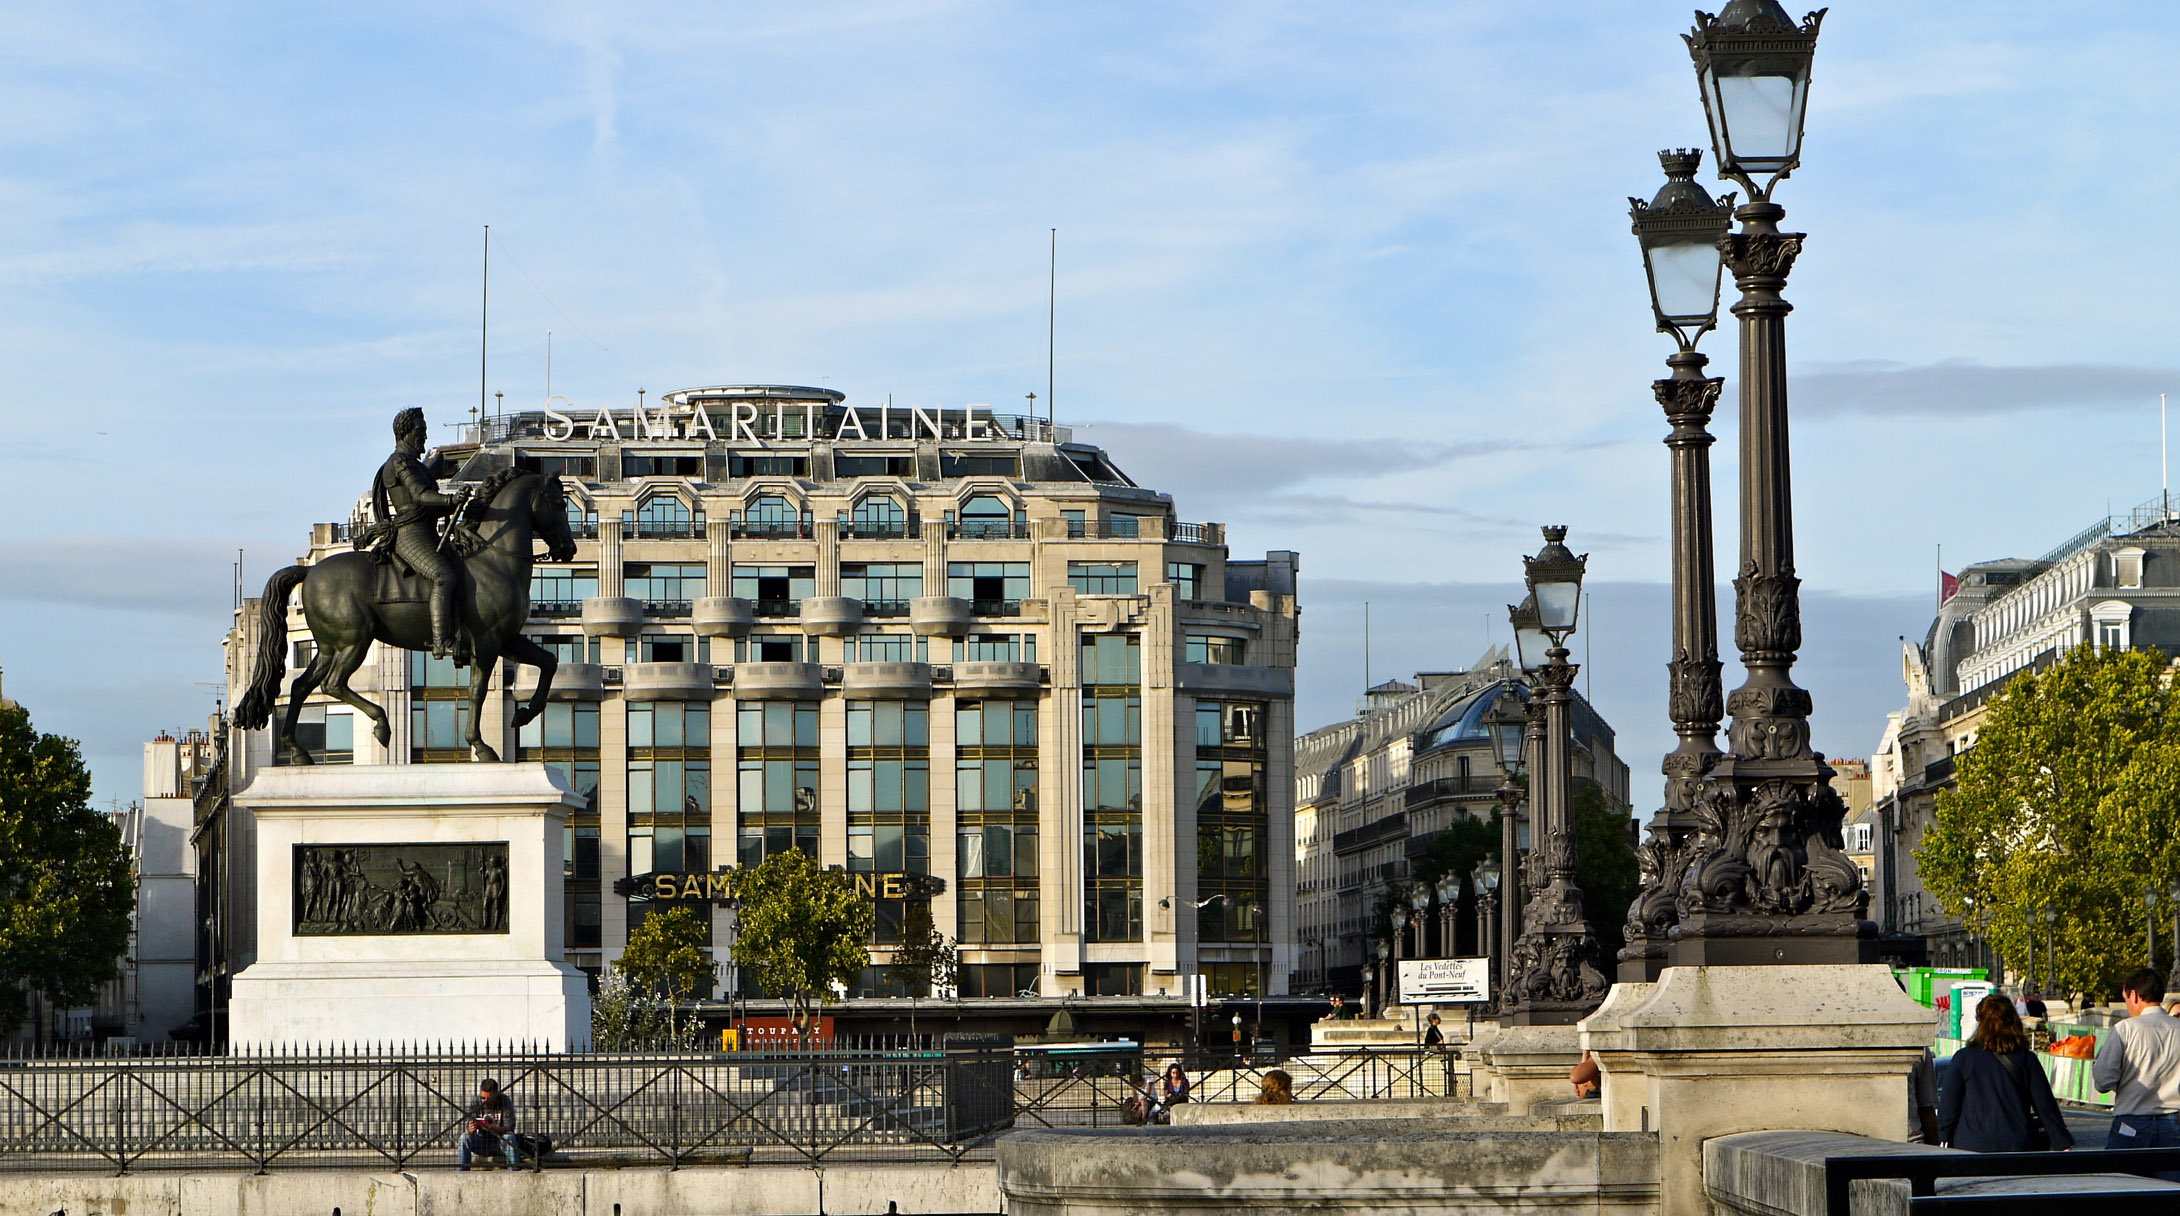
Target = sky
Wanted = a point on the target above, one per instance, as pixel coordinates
(1354, 279)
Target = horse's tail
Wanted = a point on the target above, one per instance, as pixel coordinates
(255, 708)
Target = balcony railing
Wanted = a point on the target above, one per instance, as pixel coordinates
(665, 529)
(556, 608)
(584, 529)
(990, 529)
(666, 607)
(879, 530)
(873, 608)
(996, 607)
(776, 529)
(1119, 527)
(1199, 534)
(779, 607)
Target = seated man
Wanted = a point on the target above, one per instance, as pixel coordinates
(491, 1127)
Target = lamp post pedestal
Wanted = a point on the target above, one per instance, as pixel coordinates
(1556, 976)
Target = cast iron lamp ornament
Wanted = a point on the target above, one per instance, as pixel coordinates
(1764, 878)
(1681, 231)
(1555, 974)
(1509, 733)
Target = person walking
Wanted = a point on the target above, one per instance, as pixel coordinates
(1995, 1098)
(2138, 1063)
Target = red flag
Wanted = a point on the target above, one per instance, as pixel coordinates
(1948, 587)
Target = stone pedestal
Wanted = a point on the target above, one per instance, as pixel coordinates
(410, 904)
(1708, 1051)
(1529, 1065)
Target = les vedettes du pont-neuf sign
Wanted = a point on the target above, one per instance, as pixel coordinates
(761, 423)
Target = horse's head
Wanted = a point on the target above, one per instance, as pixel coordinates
(549, 519)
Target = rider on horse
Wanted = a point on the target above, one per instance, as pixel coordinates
(409, 505)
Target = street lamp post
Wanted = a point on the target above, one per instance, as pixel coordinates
(1767, 880)
(1680, 231)
(2149, 926)
(1449, 908)
(1509, 729)
(1487, 909)
(2051, 948)
(1556, 975)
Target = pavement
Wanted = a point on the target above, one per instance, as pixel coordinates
(2090, 1124)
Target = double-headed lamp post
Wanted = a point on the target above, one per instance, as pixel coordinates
(1487, 906)
(1556, 975)
(1509, 742)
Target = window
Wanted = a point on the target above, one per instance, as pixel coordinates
(996, 648)
(582, 520)
(879, 517)
(667, 648)
(768, 464)
(561, 590)
(771, 516)
(996, 835)
(1210, 648)
(998, 979)
(1078, 524)
(569, 649)
(884, 648)
(874, 464)
(1125, 526)
(565, 737)
(769, 648)
(889, 797)
(1233, 819)
(329, 735)
(438, 710)
(1102, 578)
(989, 516)
(1187, 579)
(995, 588)
(663, 517)
(1231, 979)
(1112, 979)
(1112, 787)
(884, 587)
(777, 778)
(669, 786)
(776, 590)
(664, 586)
(661, 464)
(979, 464)
(2112, 635)
(557, 464)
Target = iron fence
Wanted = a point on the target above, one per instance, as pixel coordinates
(1103, 1100)
(408, 1110)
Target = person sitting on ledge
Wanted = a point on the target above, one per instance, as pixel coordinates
(1586, 1077)
(491, 1127)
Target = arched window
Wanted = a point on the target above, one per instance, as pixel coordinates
(987, 515)
(664, 516)
(880, 517)
(582, 518)
(770, 516)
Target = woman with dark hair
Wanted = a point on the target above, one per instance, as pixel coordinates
(1995, 1098)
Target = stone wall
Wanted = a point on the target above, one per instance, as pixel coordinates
(1782, 1174)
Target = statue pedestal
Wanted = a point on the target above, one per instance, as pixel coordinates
(1529, 1064)
(1707, 1051)
(410, 904)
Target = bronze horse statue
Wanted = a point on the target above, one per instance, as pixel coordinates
(343, 602)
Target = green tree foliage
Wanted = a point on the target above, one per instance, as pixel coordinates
(803, 930)
(666, 955)
(926, 958)
(627, 1017)
(2069, 799)
(1605, 866)
(65, 887)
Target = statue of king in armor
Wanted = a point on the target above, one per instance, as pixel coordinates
(409, 505)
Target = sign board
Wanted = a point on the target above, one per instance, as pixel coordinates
(1445, 981)
(718, 885)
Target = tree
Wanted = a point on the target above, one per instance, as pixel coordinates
(2068, 799)
(626, 1017)
(1605, 866)
(926, 957)
(666, 955)
(803, 931)
(65, 887)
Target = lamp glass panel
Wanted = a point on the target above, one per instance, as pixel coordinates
(1759, 119)
(1684, 280)
(1506, 743)
(1557, 603)
(1531, 643)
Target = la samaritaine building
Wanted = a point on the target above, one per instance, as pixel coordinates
(909, 641)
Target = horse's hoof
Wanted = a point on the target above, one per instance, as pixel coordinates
(526, 715)
(384, 734)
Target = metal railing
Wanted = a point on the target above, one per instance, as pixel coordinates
(990, 529)
(996, 607)
(778, 607)
(870, 530)
(771, 530)
(665, 529)
(1221, 1077)
(665, 607)
(1199, 534)
(556, 608)
(408, 1110)
(885, 608)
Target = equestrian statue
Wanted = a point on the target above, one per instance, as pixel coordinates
(448, 573)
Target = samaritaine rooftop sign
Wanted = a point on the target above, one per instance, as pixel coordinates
(686, 417)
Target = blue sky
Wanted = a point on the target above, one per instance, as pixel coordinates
(1354, 278)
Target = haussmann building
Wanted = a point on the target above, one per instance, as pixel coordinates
(910, 641)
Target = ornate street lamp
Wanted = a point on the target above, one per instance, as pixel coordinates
(2051, 948)
(1555, 975)
(1680, 230)
(1487, 884)
(1509, 719)
(1753, 64)
(1771, 882)
(1449, 907)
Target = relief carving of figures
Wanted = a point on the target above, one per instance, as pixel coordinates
(1777, 884)
(1767, 618)
(400, 889)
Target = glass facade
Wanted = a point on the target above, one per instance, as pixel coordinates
(889, 797)
(776, 792)
(565, 737)
(1112, 787)
(996, 818)
(1233, 819)
(438, 710)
